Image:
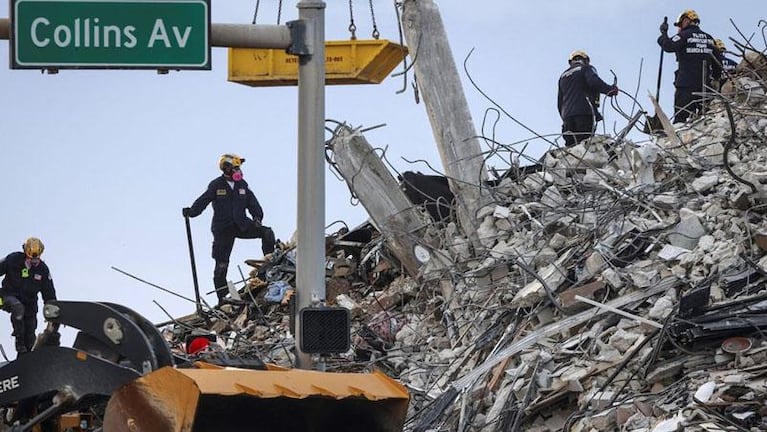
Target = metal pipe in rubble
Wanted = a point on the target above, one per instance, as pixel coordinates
(310, 272)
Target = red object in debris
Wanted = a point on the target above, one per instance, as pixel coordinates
(736, 345)
(197, 345)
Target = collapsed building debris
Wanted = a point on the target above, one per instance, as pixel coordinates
(616, 285)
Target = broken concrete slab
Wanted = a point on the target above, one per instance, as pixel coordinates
(687, 232)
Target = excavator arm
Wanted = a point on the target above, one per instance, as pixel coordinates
(112, 331)
(52, 369)
(67, 378)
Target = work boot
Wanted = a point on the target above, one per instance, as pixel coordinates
(20, 348)
(268, 241)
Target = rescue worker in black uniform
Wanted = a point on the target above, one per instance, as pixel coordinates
(231, 196)
(698, 60)
(26, 275)
(728, 64)
(578, 98)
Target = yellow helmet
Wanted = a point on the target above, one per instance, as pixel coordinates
(231, 159)
(689, 14)
(33, 247)
(719, 44)
(578, 54)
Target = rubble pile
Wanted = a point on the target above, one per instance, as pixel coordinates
(255, 321)
(619, 286)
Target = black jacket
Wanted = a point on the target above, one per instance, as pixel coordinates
(24, 283)
(729, 65)
(697, 56)
(579, 89)
(229, 205)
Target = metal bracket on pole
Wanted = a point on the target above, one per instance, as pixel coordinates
(298, 44)
(5, 28)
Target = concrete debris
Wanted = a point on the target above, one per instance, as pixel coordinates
(614, 286)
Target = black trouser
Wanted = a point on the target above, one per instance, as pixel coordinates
(23, 321)
(577, 128)
(223, 242)
(685, 103)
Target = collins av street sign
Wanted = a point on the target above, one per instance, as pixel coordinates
(110, 34)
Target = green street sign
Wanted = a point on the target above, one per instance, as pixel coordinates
(110, 34)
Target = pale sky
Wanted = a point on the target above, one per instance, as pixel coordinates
(98, 164)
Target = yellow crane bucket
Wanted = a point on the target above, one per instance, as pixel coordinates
(212, 399)
(346, 62)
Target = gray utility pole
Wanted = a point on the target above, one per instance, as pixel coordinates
(447, 108)
(310, 255)
(311, 144)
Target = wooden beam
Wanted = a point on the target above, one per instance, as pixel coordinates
(498, 374)
(378, 191)
(445, 101)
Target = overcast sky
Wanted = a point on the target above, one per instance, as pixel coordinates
(98, 164)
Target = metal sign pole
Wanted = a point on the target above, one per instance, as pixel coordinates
(310, 275)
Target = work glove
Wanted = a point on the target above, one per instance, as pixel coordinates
(664, 27)
(613, 91)
(716, 85)
(186, 211)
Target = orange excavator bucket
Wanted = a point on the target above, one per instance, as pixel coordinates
(210, 398)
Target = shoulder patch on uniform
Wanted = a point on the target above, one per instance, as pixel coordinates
(676, 38)
(220, 192)
(242, 191)
(38, 277)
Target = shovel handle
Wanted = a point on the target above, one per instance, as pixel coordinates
(660, 65)
(194, 266)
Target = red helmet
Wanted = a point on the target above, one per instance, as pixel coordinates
(197, 344)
